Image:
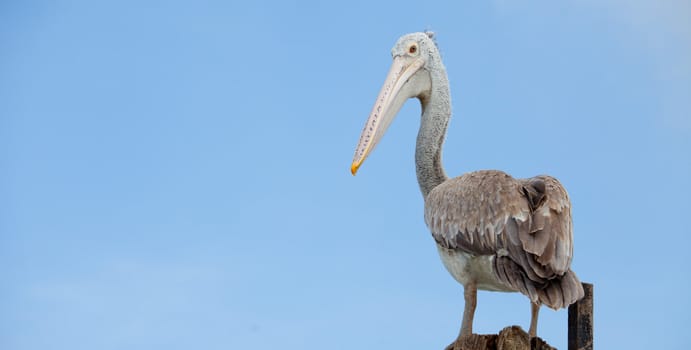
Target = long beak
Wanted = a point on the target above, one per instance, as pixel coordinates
(387, 105)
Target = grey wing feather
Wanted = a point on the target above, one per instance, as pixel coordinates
(525, 223)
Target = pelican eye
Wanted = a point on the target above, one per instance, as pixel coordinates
(412, 49)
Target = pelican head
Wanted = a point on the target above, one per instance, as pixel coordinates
(409, 76)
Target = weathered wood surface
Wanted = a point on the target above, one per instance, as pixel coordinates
(581, 321)
(510, 338)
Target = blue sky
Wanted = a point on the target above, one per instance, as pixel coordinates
(176, 174)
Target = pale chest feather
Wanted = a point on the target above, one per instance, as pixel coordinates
(465, 267)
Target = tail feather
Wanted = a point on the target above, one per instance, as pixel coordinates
(557, 292)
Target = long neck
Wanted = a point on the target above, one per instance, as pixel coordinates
(436, 112)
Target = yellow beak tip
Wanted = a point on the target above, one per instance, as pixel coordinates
(354, 168)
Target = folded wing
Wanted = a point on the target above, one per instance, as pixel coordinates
(524, 223)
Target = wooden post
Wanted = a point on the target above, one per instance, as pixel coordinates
(510, 338)
(581, 321)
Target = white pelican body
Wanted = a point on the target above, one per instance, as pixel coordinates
(493, 232)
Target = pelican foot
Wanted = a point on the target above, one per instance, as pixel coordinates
(512, 337)
(473, 342)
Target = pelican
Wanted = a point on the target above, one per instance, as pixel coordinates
(493, 232)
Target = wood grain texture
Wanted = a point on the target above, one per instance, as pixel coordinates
(510, 338)
(581, 321)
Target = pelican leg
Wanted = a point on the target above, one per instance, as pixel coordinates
(534, 310)
(470, 295)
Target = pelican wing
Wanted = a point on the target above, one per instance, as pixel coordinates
(524, 223)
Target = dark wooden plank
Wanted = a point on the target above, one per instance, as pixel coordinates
(581, 321)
